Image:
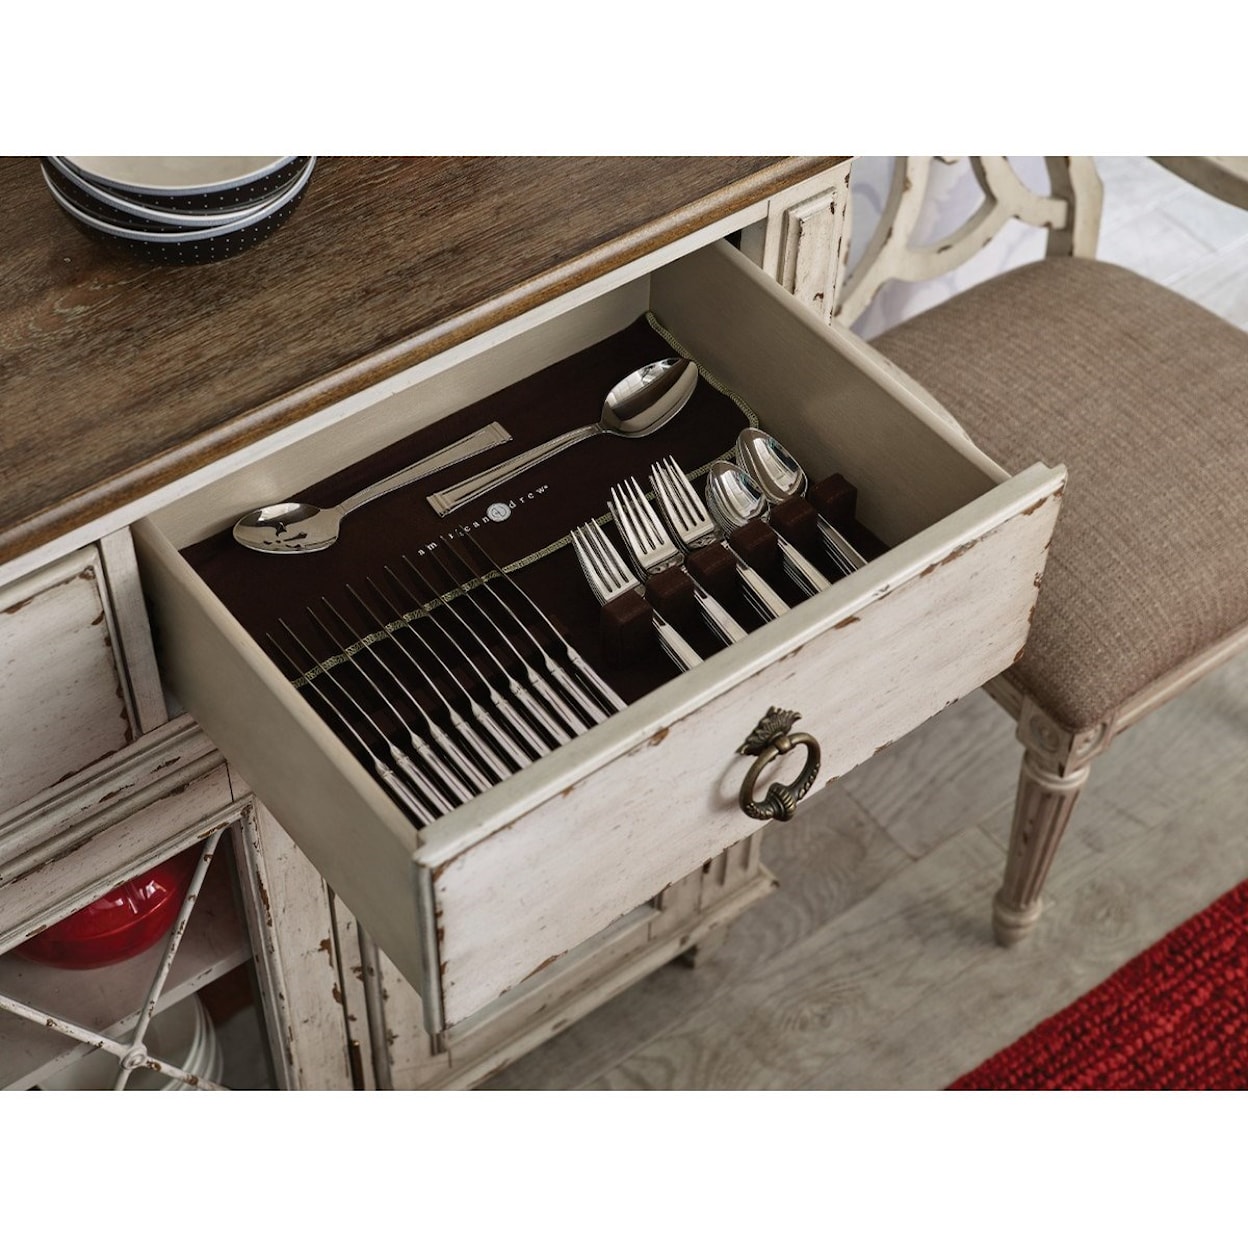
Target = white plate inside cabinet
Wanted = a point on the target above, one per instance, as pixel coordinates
(497, 890)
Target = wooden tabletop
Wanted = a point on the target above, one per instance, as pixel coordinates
(118, 376)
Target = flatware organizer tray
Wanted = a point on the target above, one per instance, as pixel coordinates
(522, 527)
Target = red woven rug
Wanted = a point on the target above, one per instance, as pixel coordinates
(1175, 1017)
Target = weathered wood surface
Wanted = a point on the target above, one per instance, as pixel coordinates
(62, 690)
(42, 831)
(119, 376)
(292, 936)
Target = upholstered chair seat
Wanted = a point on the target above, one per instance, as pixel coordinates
(1143, 395)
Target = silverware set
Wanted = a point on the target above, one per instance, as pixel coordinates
(653, 551)
(734, 496)
(608, 577)
(694, 528)
(450, 690)
(436, 736)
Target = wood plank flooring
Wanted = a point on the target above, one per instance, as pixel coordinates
(873, 966)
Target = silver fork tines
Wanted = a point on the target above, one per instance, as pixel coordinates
(604, 569)
(608, 577)
(654, 552)
(694, 527)
(645, 537)
(684, 510)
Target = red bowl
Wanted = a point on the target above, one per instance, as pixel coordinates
(133, 917)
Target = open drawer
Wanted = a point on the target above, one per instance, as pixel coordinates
(498, 889)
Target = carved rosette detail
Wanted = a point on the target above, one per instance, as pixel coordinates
(776, 723)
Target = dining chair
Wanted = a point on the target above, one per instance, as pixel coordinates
(1143, 395)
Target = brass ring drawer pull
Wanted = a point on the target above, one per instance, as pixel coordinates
(771, 739)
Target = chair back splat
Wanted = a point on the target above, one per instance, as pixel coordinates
(1071, 213)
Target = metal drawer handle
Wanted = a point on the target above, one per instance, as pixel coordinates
(772, 738)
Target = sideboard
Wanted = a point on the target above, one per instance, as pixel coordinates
(143, 409)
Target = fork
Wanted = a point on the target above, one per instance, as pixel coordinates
(608, 577)
(693, 527)
(653, 551)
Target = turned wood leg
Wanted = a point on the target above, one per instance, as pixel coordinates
(1042, 810)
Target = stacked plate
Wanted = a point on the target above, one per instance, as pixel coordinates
(182, 1034)
(178, 209)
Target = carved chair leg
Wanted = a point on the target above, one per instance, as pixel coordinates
(1042, 810)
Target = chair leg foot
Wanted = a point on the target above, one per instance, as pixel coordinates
(1011, 924)
(1042, 810)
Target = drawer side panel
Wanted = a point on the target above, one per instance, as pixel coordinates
(291, 760)
(834, 401)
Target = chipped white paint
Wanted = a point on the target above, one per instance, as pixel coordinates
(861, 672)
(62, 688)
(54, 821)
(291, 929)
(804, 242)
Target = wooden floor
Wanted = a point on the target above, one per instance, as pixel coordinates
(873, 966)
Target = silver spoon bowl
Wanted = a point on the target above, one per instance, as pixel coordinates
(734, 499)
(298, 528)
(639, 405)
(781, 477)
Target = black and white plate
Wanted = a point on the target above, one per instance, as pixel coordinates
(194, 236)
(190, 183)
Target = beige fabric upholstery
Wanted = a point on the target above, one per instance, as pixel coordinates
(1144, 396)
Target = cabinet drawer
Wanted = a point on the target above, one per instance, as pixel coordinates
(63, 690)
(501, 887)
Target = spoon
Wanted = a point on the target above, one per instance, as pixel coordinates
(643, 402)
(298, 528)
(781, 477)
(735, 499)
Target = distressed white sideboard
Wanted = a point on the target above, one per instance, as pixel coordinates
(150, 407)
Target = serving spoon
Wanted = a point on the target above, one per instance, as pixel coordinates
(297, 528)
(640, 404)
(781, 477)
(735, 499)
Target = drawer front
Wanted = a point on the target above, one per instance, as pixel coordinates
(505, 885)
(862, 669)
(63, 703)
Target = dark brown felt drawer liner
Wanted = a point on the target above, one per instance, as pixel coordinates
(543, 505)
